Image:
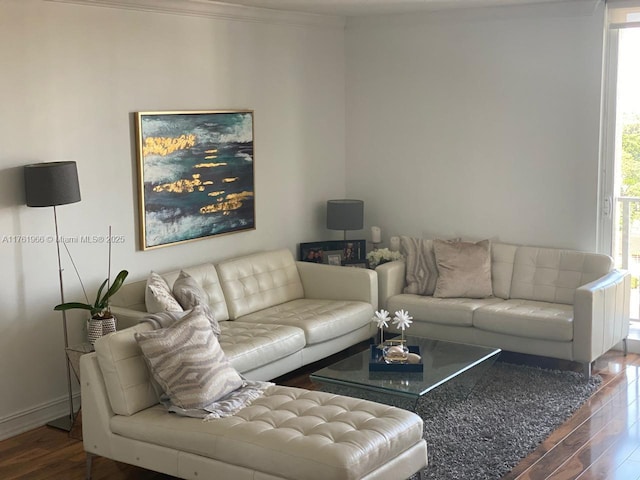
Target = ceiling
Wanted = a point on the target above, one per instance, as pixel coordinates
(350, 8)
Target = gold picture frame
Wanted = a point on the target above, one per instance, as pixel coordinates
(195, 175)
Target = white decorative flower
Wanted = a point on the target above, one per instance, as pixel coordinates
(402, 319)
(382, 255)
(382, 318)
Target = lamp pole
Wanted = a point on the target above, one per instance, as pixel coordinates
(63, 423)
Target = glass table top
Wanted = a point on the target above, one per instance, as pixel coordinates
(442, 362)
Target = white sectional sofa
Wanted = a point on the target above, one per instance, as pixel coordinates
(549, 302)
(275, 315)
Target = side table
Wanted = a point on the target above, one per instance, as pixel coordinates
(74, 352)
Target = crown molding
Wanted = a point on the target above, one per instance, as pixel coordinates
(218, 10)
(510, 12)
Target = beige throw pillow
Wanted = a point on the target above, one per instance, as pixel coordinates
(190, 295)
(187, 362)
(464, 269)
(421, 270)
(158, 297)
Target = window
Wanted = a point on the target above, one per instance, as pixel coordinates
(620, 225)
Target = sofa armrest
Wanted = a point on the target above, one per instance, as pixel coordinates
(390, 280)
(96, 408)
(338, 283)
(601, 315)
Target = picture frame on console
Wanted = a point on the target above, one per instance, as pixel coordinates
(334, 252)
(356, 263)
(334, 258)
(195, 175)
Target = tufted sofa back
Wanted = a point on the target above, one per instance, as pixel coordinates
(132, 295)
(543, 274)
(207, 277)
(259, 281)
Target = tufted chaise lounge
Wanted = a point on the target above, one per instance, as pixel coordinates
(289, 433)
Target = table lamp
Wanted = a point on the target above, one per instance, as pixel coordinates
(345, 215)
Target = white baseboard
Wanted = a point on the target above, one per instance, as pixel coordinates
(37, 416)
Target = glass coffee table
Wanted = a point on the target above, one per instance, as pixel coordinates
(458, 366)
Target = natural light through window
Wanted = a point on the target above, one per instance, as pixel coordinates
(627, 245)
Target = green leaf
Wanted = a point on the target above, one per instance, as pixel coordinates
(117, 283)
(99, 303)
(72, 305)
(102, 301)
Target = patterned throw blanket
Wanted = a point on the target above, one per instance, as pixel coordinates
(226, 406)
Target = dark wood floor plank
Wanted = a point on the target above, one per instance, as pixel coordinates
(562, 457)
(585, 460)
(576, 432)
(564, 448)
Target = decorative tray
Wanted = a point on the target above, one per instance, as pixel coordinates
(377, 363)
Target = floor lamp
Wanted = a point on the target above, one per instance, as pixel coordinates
(49, 185)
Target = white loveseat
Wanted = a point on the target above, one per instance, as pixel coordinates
(275, 315)
(549, 302)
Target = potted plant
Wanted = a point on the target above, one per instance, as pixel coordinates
(102, 321)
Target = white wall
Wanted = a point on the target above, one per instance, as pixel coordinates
(71, 76)
(480, 123)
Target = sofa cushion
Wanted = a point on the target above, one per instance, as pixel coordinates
(190, 295)
(502, 260)
(288, 433)
(252, 345)
(206, 276)
(421, 270)
(188, 363)
(528, 319)
(446, 311)
(259, 281)
(158, 296)
(552, 275)
(125, 372)
(464, 269)
(321, 320)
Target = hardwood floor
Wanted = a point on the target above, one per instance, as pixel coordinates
(601, 440)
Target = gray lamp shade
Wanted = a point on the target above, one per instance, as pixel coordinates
(345, 214)
(52, 183)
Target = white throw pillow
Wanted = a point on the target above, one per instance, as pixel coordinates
(158, 296)
(187, 291)
(188, 363)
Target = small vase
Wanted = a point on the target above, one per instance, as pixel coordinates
(395, 352)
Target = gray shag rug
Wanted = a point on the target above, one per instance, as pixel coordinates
(512, 409)
(482, 435)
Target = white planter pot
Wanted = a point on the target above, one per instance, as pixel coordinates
(96, 328)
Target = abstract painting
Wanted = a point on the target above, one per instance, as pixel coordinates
(196, 175)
